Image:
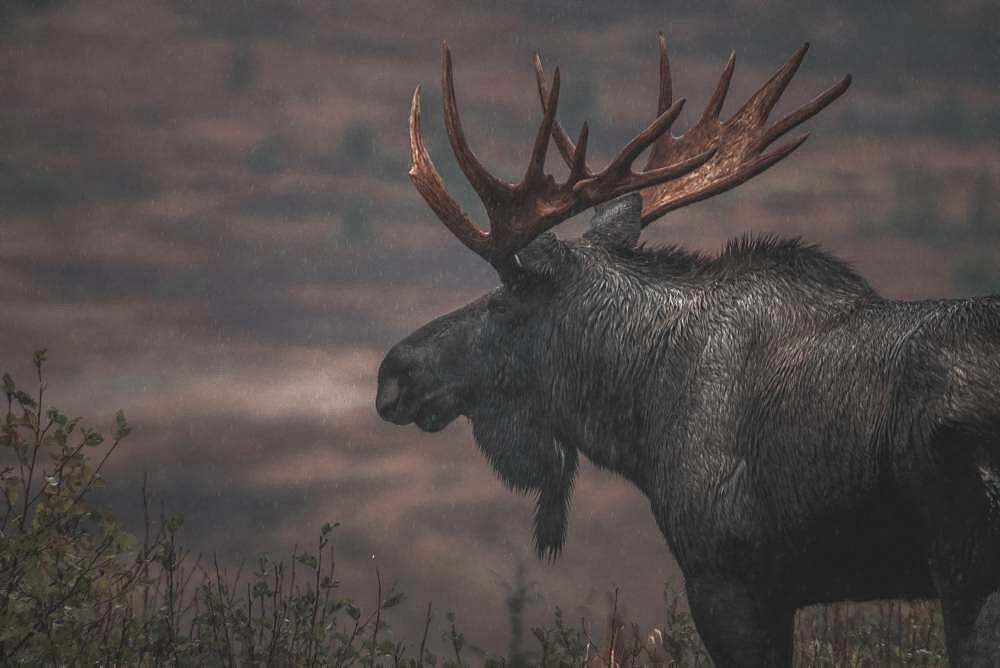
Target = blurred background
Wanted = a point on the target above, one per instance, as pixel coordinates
(205, 217)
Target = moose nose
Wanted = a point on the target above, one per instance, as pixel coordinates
(393, 377)
(388, 396)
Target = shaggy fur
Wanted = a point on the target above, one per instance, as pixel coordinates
(800, 439)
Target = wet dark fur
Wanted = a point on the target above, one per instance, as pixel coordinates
(800, 438)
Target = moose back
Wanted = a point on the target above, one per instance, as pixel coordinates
(800, 439)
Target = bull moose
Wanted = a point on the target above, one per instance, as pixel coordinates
(800, 438)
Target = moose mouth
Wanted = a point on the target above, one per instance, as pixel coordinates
(431, 411)
(433, 418)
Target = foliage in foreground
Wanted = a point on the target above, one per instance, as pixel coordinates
(77, 588)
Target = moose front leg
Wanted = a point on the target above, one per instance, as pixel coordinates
(960, 505)
(966, 576)
(965, 566)
(740, 624)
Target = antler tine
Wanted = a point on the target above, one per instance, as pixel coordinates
(714, 106)
(428, 183)
(653, 177)
(565, 145)
(665, 98)
(804, 113)
(538, 152)
(641, 142)
(760, 104)
(578, 168)
(485, 184)
(661, 147)
(774, 155)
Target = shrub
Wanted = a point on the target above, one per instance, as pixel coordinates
(76, 587)
(63, 571)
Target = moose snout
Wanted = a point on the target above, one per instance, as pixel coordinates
(388, 396)
(412, 389)
(422, 378)
(392, 380)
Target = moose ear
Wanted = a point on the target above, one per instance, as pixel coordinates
(618, 223)
(544, 257)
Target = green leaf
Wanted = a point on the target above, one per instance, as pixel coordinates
(393, 599)
(122, 428)
(91, 438)
(38, 359)
(307, 559)
(8, 385)
(174, 522)
(24, 399)
(71, 425)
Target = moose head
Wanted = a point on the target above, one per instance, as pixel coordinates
(554, 361)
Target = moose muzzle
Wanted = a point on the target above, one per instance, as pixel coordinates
(411, 390)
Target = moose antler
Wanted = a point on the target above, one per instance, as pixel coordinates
(519, 213)
(738, 142)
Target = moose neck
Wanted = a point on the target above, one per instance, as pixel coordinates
(639, 325)
(608, 384)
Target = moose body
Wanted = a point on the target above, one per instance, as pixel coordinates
(800, 439)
